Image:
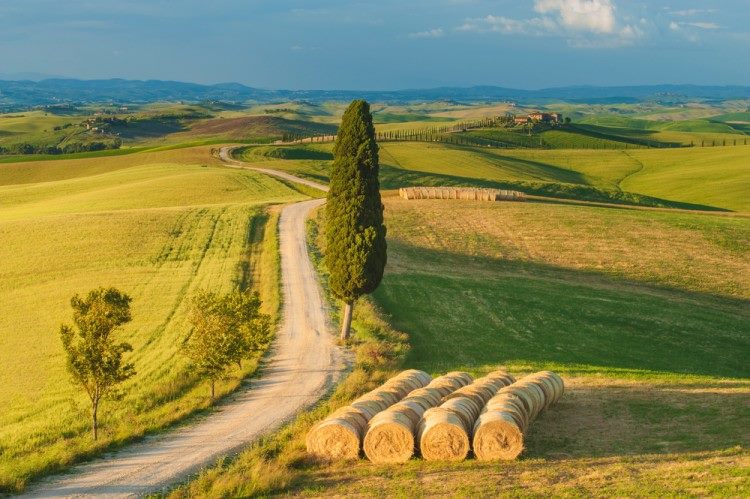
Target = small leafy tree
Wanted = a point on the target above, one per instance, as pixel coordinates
(226, 330)
(355, 233)
(94, 359)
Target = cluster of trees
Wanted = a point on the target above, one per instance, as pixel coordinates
(70, 147)
(226, 329)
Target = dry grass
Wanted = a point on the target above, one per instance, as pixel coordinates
(698, 252)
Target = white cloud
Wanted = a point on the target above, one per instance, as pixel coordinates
(676, 26)
(430, 33)
(596, 16)
(505, 25)
(703, 25)
(691, 12)
(584, 23)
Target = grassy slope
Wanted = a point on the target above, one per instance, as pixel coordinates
(711, 176)
(158, 230)
(701, 177)
(645, 314)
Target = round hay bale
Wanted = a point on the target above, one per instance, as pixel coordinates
(353, 416)
(334, 439)
(390, 438)
(507, 406)
(442, 436)
(463, 377)
(499, 401)
(430, 395)
(369, 408)
(445, 387)
(558, 382)
(533, 393)
(390, 395)
(547, 387)
(405, 385)
(410, 408)
(497, 437)
(422, 377)
(464, 408)
(468, 392)
(526, 398)
(502, 374)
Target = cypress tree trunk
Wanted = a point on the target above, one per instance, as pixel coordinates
(346, 323)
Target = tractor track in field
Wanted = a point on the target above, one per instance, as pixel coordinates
(301, 367)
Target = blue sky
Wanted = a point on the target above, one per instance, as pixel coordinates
(388, 44)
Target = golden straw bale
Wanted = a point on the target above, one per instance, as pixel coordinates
(464, 377)
(390, 438)
(333, 439)
(497, 437)
(515, 411)
(340, 435)
(368, 408)
(426, 395)
(464, 408)
(500, 401)
(557, 381)
(411, 408)
(442, 436)
(353, 415)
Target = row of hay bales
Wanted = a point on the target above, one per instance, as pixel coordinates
(340, 435)
(469, 193)
(390, 437)
(499, 431)
(445, 431)
(443, 418)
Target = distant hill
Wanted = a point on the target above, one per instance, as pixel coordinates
(28, 93)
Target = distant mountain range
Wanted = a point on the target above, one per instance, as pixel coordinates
(28, 93)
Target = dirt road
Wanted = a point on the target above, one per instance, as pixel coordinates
(225, 153)
(303, 364)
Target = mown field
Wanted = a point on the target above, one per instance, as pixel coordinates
(158, 226)
(699, 178)
(644, 313)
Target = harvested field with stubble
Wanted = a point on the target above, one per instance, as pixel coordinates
(159, 226)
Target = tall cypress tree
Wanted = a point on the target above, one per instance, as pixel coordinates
(355, 233)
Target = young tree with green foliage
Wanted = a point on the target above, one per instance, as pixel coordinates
(226, 329)
(355, 233)
(94, 359)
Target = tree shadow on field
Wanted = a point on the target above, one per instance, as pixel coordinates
(465, 312)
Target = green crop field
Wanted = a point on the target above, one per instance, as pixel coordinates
(156, 225)
(706, 178)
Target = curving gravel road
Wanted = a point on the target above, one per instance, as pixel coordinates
(302, 366)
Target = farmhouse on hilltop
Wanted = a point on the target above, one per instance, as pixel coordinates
(549, 118)
(545, 117)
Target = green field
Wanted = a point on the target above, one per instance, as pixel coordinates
(643, 313)
(700, 178)
(156, 225)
